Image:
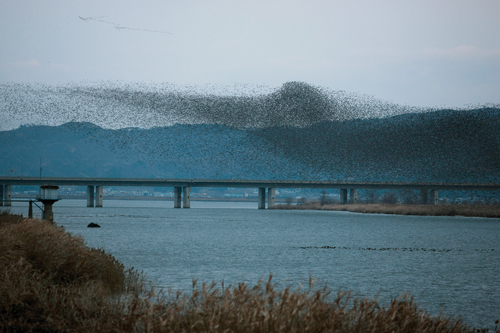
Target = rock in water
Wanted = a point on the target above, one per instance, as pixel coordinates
(93, 225)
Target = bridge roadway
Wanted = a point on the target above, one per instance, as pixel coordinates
(182, 187)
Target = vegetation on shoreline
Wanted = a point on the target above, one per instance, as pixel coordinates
(50, 281)
(404, 209)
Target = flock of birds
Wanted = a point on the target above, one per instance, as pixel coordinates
(296, 131)
(116, 105)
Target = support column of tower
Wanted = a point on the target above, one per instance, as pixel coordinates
(186, 197)
(48, 213)
(262, 198)
(177, 196)
(353, 196)
(8, 195)
(98, 195)
(271, 192)
(30, 210)
(90, 196)
(343, 196)
(1, 195)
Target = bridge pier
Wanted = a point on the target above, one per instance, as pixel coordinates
(186, 197)
(262, 198)
(177, 196)
(424, 200)
(271, 193)
(343, 196)
(353, 196)
(8, 195)
(90, 196)
(98, 195)
(434, 197)
(1, 195)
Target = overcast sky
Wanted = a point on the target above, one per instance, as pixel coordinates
(421, 53)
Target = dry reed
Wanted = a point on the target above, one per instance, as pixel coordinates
(263, 309)
(404, 209)
(50, 281)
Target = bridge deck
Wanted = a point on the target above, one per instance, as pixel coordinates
(155, 182)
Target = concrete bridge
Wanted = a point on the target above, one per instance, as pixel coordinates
(182, 187)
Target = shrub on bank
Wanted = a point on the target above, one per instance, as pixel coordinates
(59, 255)
(50, 281)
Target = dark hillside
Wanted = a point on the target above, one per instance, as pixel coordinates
(455, 146)
(451, 146)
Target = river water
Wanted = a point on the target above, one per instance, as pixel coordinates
(448, 263)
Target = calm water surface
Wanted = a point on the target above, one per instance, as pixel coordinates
(456, 267)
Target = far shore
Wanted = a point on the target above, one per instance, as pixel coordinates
(468, 210)
(491, 211)
(152, 198)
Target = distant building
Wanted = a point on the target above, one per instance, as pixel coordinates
(231, 195)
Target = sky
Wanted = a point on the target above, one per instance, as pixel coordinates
(442, 53)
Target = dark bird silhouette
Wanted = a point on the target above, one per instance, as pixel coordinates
(118, 26)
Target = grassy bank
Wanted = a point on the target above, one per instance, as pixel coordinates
(430, 210)
(50, 281)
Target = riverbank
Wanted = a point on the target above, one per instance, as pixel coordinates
(51, 281)
(423, 210)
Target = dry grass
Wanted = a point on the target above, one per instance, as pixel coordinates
(264, 309)
(51, 282)
(428, 210)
